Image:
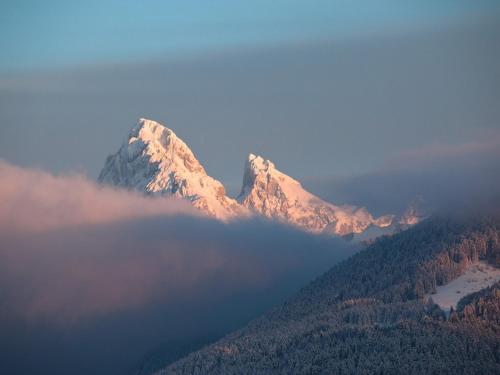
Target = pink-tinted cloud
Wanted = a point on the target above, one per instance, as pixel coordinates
(73, 250)
(64, 277)
(34, 200)
(485, 146)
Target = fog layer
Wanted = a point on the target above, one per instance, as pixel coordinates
(93, 278)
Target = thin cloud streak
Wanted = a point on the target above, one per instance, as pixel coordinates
(449, 176)
(485, 147)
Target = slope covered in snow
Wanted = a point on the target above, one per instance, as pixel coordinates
(155, 161)
(477, 277)
(273, 194)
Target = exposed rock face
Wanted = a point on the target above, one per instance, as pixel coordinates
(155, 161)
(413, 214)
(273, 194)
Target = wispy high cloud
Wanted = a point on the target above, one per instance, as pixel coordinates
(485, 147)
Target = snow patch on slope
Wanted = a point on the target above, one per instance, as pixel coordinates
(478, 276)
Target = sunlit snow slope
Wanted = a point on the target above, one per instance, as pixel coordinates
(154, 160)
(478, 276)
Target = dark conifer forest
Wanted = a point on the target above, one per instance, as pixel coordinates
(372, 314)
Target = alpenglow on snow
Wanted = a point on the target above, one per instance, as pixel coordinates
(154, 161)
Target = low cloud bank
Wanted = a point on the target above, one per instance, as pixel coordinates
(33, 200)
(75, 256)
(463, 176)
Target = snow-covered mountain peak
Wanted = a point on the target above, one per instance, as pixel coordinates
(162, 146)
(149, 131)
(154, 160)
(276, 195)
(260, 171)
(257, 164)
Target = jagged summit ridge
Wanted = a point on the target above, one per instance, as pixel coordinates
(414, 213)
(256, 166)
(272, 193)
(155, 161)
(253, 166)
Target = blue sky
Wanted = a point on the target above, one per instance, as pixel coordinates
(322, 88)
(52, 34)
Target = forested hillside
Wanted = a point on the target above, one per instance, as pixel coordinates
(369, 314)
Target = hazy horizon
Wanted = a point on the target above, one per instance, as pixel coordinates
(339, 105)
(367, 104)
